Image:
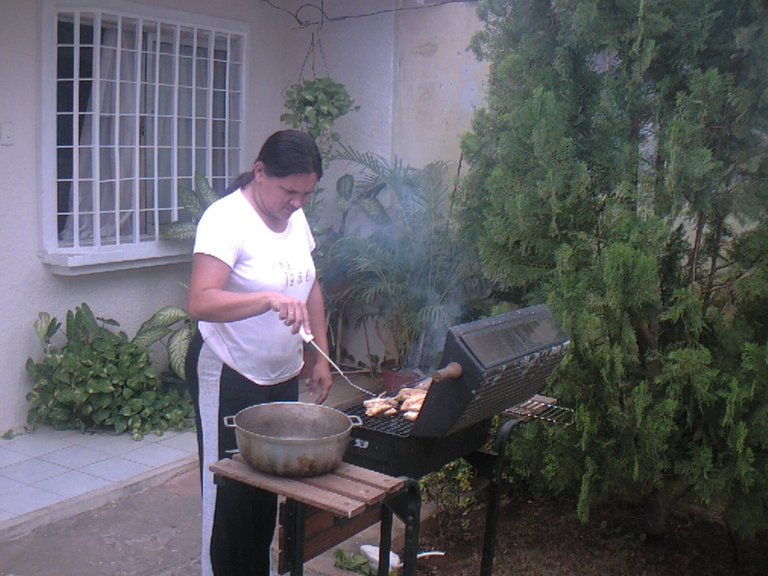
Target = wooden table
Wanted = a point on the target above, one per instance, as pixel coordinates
(322, 511)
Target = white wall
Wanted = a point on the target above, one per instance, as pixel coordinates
(18, 218)
(409, 68)
(438, 83)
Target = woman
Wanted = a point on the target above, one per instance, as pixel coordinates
(253, 287)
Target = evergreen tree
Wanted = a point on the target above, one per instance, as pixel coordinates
(619, 173)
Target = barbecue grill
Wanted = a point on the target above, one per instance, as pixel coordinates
(491, 366)
(502, 361)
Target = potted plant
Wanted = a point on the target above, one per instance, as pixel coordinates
(313, 106)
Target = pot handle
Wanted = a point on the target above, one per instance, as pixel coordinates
(356, 420)
(229, 422)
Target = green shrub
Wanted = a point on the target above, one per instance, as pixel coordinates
(618, 173)
(100, 379)
(173, 327)
(452, 490)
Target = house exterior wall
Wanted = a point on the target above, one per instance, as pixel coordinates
(369, 55)
(438, 83)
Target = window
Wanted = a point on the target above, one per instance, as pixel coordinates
(141, 105)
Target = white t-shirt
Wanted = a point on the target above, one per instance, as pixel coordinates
(261, 348)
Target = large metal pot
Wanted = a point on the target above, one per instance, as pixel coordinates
(294, 439)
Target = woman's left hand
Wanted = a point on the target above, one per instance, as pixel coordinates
(320, 382)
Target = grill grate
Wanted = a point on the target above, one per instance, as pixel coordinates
(541, 408)
(392, 425)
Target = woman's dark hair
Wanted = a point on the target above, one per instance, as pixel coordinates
(285, 153)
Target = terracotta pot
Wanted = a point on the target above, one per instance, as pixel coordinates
(393, 380)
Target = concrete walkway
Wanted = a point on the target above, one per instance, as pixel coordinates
(147, 531)
(47, 474)
(75, 504)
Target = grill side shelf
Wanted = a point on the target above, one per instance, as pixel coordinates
(541, 408)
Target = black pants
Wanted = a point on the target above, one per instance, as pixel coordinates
(244, 517)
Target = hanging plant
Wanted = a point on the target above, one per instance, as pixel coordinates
(314, 106)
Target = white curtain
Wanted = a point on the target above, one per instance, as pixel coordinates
(160, 108)
(108, 200)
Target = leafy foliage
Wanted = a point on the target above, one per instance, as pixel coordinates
(351, 562)
(173, 325)
(450, 490)
(99, 379)
(193, 202)
(413, 272)
(314, 106)
(619, 172)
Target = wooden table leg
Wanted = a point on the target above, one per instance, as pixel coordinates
(294, 536)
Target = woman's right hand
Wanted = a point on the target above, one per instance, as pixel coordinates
(292, 312)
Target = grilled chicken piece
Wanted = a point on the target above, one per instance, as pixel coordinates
(408, 401)
(407, 393)
(412, 404)
(380, 406)
(411, 415)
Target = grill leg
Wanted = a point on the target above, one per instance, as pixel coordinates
(494, 496)
(385, 541)
(407, 507)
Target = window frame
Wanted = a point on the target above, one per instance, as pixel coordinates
(70, 261)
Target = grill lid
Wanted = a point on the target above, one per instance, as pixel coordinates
(506, 359)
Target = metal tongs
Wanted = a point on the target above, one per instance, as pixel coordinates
(310, 339)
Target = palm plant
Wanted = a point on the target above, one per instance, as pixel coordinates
(413, 274)
(193, 202)
(351, 198)
(174, 326)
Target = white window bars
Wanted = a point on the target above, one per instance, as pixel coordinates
(142, 105)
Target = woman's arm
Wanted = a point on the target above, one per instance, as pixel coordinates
(210, 301)
(320, 383)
